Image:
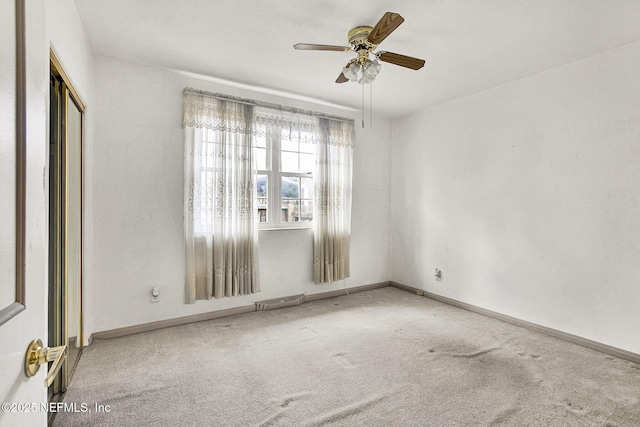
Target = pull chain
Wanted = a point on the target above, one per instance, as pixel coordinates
(371, 104)
(362, 84)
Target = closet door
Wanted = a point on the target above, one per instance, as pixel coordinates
(73, 231)
(65, 225)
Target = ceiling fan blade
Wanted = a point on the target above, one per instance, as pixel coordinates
(389, 22)
(401, 60)
(308, 46)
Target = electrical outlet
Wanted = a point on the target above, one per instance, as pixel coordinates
(438, 275)
(155, 294)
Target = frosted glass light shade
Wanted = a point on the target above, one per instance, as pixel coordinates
(370, 70)
(351, 72)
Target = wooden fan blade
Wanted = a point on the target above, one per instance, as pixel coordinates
(401, 60)
(307, 46)
(389, 22)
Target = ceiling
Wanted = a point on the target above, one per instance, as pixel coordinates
(468, 45)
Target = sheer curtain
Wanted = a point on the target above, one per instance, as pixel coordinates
(332, 204)
(220, 230)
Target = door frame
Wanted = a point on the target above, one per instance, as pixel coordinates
(61, 316)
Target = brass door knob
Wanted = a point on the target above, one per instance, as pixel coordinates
(38, 355)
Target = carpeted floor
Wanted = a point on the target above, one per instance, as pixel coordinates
(380, 358)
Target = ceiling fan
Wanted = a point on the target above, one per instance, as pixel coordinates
(364, 40)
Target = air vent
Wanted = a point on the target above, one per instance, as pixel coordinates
(272, 304)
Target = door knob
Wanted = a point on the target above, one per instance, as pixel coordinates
(38, 355)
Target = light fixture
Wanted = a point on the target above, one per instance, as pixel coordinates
(365, 73)
(365, 67)
(370, 70)
(364, 40)
(351, 71)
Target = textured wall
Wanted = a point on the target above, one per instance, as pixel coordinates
(527, 196)
(138, 203)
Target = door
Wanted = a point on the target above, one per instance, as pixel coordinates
(23, 225)
(65, 224)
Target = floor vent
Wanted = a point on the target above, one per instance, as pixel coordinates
(272, 304)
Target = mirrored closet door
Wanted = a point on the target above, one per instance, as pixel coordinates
(66, 114)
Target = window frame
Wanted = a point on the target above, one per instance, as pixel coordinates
(274, 188)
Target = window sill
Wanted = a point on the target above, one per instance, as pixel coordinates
(285, 228)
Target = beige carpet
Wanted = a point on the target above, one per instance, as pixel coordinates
(379, 358)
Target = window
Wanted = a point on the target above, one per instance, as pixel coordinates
(207, 154)
(285, 180)
(228, 145)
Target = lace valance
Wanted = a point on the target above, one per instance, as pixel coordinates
(209, 111)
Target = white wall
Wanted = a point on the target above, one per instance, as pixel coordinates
(69, 41)
(527, 196)
(137, 176)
